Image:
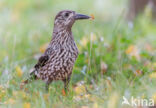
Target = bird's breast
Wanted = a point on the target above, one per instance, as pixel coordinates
(61, 61)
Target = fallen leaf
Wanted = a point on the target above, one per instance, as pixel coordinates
(19, 71)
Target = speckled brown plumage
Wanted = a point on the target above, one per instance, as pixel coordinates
(58, 60)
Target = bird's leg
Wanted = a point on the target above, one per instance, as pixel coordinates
(47, 85)
(66, 83)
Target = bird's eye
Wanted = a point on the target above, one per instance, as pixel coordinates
(66, 14)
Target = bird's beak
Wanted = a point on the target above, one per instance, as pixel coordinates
(81, 16)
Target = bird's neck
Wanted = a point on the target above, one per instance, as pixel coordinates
(59, 32)
(62, 36)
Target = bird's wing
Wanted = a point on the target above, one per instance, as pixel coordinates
(44, 58)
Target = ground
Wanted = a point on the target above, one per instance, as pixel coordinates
(117, 58)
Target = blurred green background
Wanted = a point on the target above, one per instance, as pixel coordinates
(117, 55)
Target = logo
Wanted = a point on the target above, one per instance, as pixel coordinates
(137, 102)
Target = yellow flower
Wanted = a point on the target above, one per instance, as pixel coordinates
(152, 75)
(19, 71)
(43, 47)
(26, 105)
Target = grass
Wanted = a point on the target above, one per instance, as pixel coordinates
(129, 53)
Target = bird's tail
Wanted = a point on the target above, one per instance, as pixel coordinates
(30, 79)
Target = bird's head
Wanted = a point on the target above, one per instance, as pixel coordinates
(67, 18)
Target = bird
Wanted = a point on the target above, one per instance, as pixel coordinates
(57, 62)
